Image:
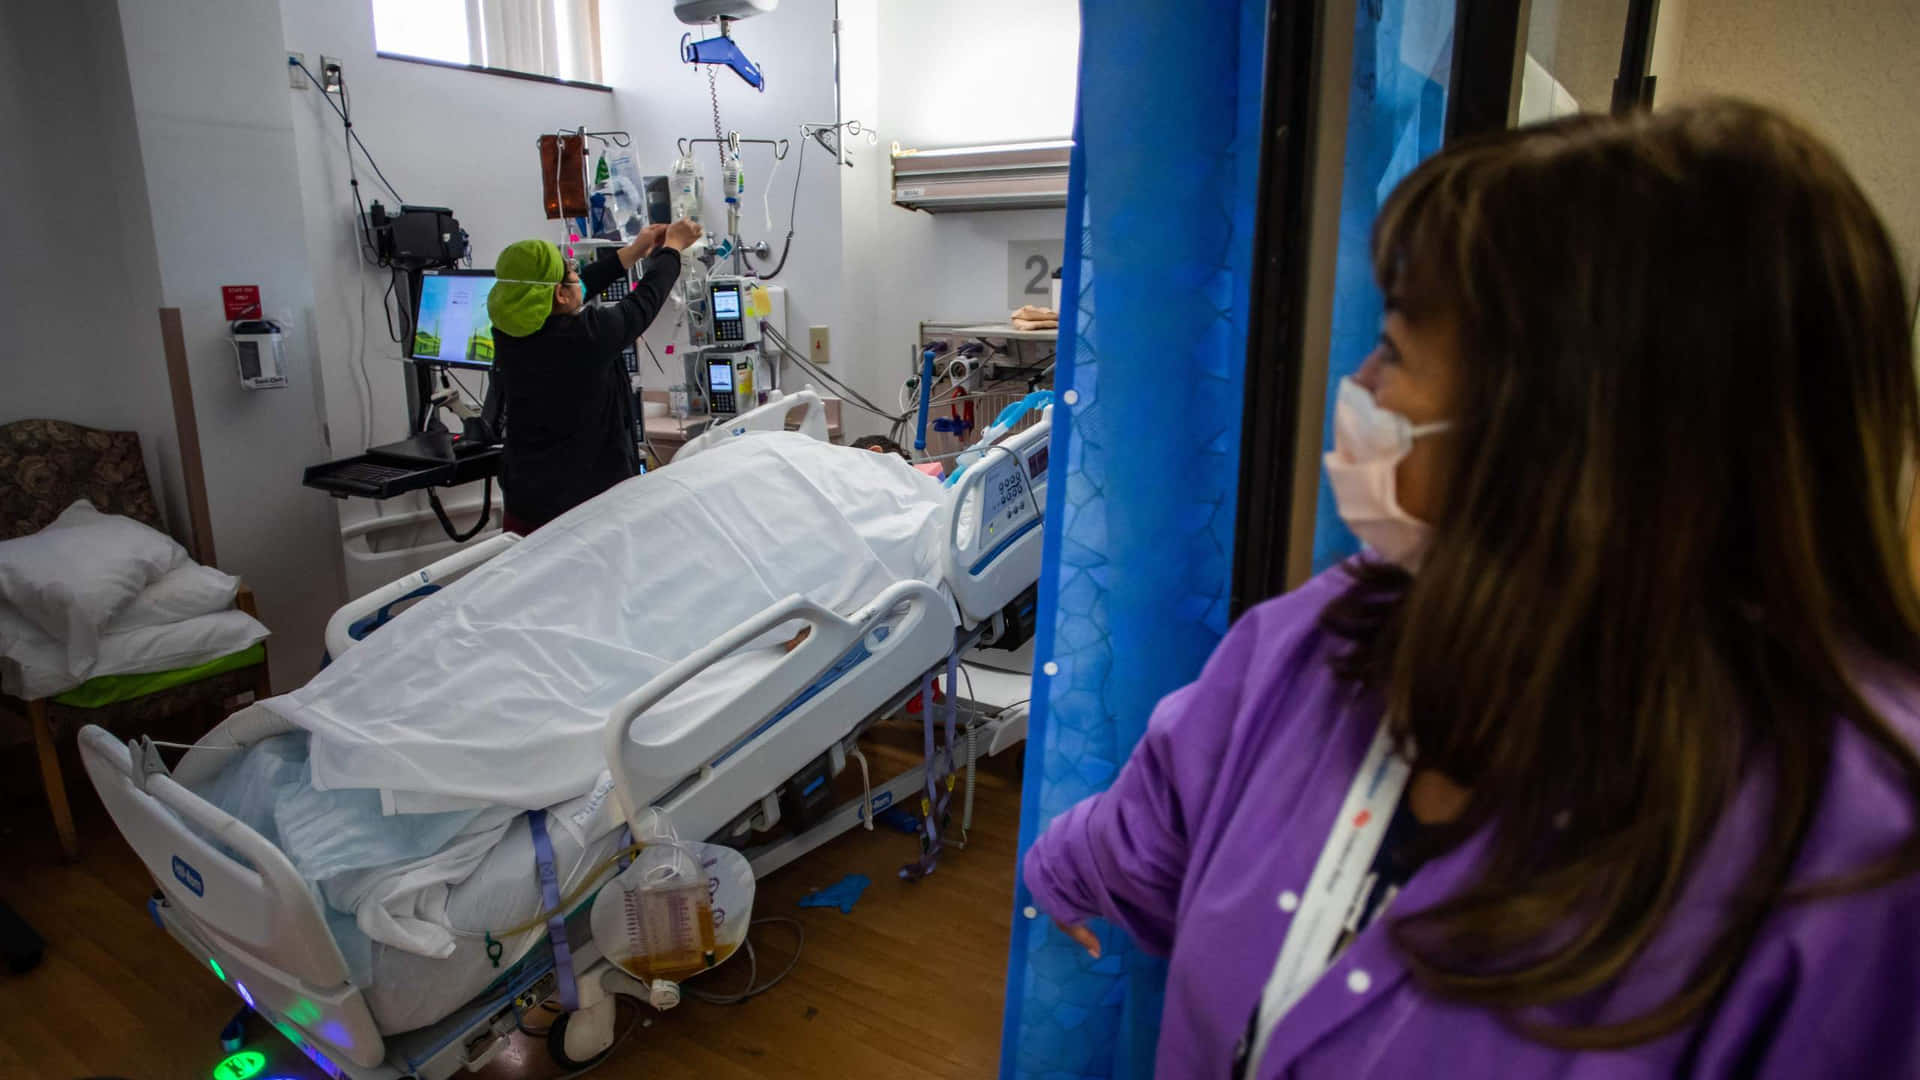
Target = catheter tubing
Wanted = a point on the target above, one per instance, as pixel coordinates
(926, 396)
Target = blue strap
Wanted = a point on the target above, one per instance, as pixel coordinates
(557, 922)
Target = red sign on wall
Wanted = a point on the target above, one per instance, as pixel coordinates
(243, 301)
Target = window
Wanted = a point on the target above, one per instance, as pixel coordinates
(558, 39)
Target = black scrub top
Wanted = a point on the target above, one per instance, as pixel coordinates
(569, 414)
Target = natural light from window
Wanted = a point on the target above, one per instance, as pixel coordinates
(429, 29)
(556, 38)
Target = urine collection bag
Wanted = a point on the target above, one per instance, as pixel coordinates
(678, 910)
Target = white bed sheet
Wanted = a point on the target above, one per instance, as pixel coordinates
(407, 990)
(496, 690)
(419, 893)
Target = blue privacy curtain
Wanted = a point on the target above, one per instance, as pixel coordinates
(1396, 114)
(1146, 451)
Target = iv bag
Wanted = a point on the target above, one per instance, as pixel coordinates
(678, 910)
(686, 190)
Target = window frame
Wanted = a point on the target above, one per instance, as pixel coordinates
(592, 28)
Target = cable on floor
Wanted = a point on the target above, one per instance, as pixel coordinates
(752, 990)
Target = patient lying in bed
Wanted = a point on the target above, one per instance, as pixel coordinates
(496, 690)
(491, 696)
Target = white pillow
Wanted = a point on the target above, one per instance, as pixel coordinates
(74, 575)
(33, 665)
(177, 645)
(184, 592)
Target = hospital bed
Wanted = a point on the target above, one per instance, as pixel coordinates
(759, 760)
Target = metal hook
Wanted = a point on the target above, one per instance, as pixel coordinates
(621, 139)
(733, 142)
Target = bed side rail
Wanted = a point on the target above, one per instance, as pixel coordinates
(852, 665)
(993, 531)
(358, 618)
(773, 416)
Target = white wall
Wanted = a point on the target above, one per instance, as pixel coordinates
(659, 99)
(1847, 70)
(864, 267)
(444, 137)
(79, 280)
(955, 75)
(217, 141)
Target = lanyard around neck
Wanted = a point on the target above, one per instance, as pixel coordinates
(1338, 877)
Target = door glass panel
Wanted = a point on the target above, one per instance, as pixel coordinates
(1573, 54)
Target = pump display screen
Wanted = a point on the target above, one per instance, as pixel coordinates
(451, 325)
(1037, 464)
(720, 376)
(726, 304)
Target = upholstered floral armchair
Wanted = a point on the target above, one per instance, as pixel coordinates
(44, 466)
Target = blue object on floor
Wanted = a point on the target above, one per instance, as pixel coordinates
(842, 894)
(900, 818)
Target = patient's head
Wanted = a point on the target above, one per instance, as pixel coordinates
(880, 444)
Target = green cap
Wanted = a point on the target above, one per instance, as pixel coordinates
(517, 305)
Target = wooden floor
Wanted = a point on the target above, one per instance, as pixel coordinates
(909, 985)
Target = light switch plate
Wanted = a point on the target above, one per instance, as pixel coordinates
(295, 77)
(819, 346)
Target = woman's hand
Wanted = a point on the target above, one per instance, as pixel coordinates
(1081, 936)
(681, 234)
(642, 245)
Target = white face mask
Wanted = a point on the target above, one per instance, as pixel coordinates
(1369, 443)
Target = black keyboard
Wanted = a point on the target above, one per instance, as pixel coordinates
(366, 472)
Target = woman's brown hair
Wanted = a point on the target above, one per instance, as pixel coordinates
(1670, 535)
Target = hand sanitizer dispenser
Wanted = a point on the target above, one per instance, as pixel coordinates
(258, 351)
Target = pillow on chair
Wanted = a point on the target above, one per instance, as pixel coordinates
(184, 592)
(73, 576)
(32, 664)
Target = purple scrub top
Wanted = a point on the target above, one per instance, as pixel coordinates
(1203, 846)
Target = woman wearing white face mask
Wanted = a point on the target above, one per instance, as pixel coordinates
(1383, 468)
(1599, 763)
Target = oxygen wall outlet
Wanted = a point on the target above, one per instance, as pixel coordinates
(819, 347)
(330, 72)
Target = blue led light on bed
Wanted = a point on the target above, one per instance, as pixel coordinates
(854, 658)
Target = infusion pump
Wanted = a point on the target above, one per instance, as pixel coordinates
(734, 308)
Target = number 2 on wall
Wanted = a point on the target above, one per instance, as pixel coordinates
(1041, 272)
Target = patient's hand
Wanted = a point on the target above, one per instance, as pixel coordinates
(794, 643)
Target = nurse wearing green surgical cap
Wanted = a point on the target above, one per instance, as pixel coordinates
(568, 405)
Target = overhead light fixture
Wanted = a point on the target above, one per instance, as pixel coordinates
(999, 176)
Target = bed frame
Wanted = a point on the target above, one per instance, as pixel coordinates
(257, 924)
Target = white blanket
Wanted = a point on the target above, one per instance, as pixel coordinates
(496, 690)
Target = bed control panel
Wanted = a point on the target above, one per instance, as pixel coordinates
(1008, 496)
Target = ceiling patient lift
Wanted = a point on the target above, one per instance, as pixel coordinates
(721, 49)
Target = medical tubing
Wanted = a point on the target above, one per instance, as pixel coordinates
(859, 400)
(753, 965)
(579, 893)
(973, 757)
(866, 787)
(926, 399)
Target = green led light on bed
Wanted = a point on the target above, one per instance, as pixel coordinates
(98, 693)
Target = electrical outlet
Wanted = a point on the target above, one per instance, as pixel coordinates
(295, 77)
(820, 346)
(330, 73)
